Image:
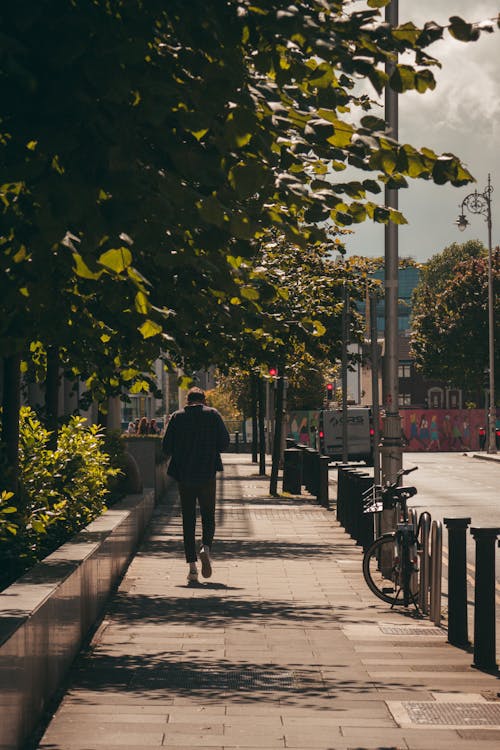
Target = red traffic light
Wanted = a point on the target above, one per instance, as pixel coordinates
(273, 371)
(329, 386)
(329, 391)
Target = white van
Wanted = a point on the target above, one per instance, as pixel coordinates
(359, 434)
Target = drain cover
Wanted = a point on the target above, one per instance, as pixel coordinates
(407, 630)
(464, 714)
(212, 679)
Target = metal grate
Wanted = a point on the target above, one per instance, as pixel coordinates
(455, 714)
(209, 679)
(408, 630)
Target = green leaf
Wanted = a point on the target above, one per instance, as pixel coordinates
(373, 123)
(142, 304)
(424, 80)
(463, 31)
(407, 32)
(149, 328)
(82, 270)
(249, 292)
(116, 260)
(402, 79)
(211, 210)
(248, 178)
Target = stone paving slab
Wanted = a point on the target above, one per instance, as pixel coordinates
(284, 647)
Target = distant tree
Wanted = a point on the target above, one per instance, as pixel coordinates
(450, 320)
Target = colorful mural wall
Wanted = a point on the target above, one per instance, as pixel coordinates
(423, 429)
(442, 430)
(302, 426)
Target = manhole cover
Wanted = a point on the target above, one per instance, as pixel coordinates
(407, 630)
(212, 679)
(465, 714)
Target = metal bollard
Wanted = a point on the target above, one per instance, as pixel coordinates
(457, 581)
(311, 470)
(484, 598)
(292, 470)
(436, 570)
(237, 442)
(323, 498)
(424, 529)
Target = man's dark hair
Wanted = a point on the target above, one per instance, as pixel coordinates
(195, 395)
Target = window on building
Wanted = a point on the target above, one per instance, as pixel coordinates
(405, 399)
(404, 370)
(435, 398)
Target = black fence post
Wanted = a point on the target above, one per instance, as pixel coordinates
(484, 598)
(458, 634)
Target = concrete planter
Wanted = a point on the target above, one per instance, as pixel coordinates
(147, 453)
(47, 613)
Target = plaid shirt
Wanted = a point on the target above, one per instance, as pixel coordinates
(194, 439)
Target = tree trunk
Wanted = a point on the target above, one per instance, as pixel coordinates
(278, 428)
(52, 395)
(253, 396)
(262, 434)
(102, 418)
(10, 422)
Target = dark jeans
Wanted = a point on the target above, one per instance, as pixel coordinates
(189, 493)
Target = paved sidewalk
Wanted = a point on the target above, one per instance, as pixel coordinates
(284, 647)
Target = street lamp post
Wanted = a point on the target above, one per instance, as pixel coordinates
(480, 203)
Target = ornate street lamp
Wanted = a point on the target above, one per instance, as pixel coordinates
(480, 203)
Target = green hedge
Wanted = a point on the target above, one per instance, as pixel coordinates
(60, 491)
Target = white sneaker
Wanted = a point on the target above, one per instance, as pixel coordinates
(206, 565)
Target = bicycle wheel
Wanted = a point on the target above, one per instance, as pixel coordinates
(381, 569)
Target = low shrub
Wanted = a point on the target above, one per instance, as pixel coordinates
(60, 491)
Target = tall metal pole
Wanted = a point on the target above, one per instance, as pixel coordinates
(391, 439)
(480, 203)
(492, 412)
(375, 386)
(345, 336)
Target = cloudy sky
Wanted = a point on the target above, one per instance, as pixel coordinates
(462, 116)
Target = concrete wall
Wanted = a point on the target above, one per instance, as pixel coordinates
(46, 614)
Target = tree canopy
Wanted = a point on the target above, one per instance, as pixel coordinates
(146, 145)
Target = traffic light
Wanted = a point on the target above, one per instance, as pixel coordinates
(329, 391)
(273, 371)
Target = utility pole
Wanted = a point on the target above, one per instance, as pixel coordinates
(391, 438)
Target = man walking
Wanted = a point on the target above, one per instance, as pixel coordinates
(194, 440)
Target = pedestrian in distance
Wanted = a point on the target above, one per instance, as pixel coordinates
(482, 438)
(153, 427)
(194, 439)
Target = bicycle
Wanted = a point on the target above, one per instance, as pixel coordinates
(390, 563)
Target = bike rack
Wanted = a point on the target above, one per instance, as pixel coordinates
(436, 570)
(413, 518)
(424, 531)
